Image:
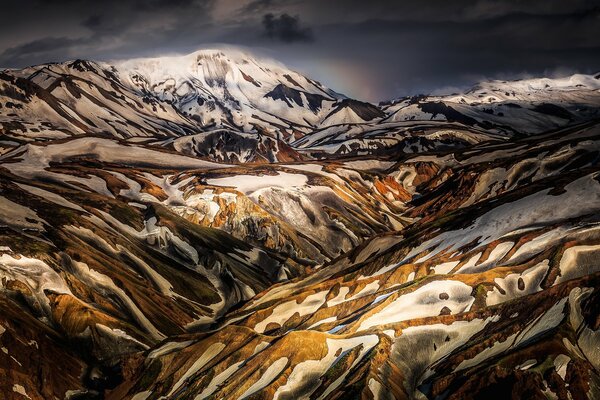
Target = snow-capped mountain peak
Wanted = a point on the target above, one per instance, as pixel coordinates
(255, 110)
(231, 87)
(520, 106)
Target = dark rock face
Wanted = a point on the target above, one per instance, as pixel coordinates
(366, 111)
(553, 110)
(289, 95)
(445, 311)
(447, 111)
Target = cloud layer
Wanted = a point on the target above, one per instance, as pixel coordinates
(371, 50)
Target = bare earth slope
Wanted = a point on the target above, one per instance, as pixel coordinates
(214, 226)
(491, 292)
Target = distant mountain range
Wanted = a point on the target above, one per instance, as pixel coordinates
(215, 226)
(250, 110)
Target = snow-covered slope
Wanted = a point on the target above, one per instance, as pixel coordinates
(171, 97)
(511, 107)
(257, 110)
(217, 226)
(491, 290)
(490, 111)
(233, 88)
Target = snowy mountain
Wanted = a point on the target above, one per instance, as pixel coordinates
(233, 89)
(172, 97)
(490, 111)
(218, 226)
(511, 107)
(255, 110)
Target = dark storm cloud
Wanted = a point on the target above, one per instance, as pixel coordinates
(286, 28)
(262, 6)
(66, 29)
(134, 4)
(161, 4)
(257, 6)
(426, 55)
(371, 50)
(93, 22)
(40, 46)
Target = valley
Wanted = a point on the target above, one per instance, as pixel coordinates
(217, 226)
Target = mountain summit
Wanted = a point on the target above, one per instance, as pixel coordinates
(231, 88)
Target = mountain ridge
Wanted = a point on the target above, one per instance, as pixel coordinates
(436, 247)
(266, 107)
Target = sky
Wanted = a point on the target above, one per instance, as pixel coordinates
(372, 50)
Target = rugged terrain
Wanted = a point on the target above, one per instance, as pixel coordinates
(218, 226)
